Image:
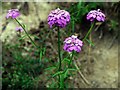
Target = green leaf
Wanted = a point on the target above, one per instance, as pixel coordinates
(58, 73)
(44, 49)
(22, 37)
(66, 60)
(53, 84)
(72, 69)
(40, 55)
(90, 42)
(66, 73)
(79, 4)
(61, 81)
(50, 68)
(42, 52)
(24, 25)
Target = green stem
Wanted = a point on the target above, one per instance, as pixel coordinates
(26, 33)
(59, 55)
(73, 26)
(89, 31)
(59, 52)
(40, 56)
(62, 77)
(61, 81)
(71, 58)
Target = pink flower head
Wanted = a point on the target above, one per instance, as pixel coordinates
(13, 13)
(96, 15)
(72, 44)
(59, 18)
(20, 29)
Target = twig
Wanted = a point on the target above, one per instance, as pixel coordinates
(97, 27)
(101, 34)
(112, 41)
(86, 81)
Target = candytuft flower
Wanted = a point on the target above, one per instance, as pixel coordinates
(96, 15)
(72, 44)
(13, 13)
(20, 29)
(59, 18)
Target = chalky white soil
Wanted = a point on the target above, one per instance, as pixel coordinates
(106, 66)
(102, 69)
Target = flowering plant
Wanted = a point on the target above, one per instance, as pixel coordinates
(60, 19)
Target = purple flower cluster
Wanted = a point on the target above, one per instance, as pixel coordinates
(96, 15)
(13, 13)
(20, 29)
(72, 44)
(59, 18)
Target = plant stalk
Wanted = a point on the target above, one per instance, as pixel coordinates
(59, 55)
(89, 31)
(71, 58)
(59, 51)
(26, 33)
(62, 78)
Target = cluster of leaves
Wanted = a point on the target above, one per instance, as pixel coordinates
(19, 71)
(65, 72)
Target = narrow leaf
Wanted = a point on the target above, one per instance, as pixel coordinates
(50, 68)
(66, 60)
(24, 25)
(22, 37)
(90, 42)
(40, 55)
(59, 72)
(66, 73)
(72, 69)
